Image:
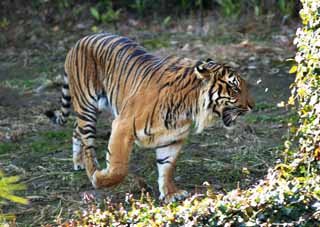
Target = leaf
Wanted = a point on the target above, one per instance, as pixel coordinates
(291, 100)
(95, 13)
(301, 92)
(14, 198)
(293, 69)
(166, 21)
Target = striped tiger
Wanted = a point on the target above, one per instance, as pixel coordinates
(154, 101)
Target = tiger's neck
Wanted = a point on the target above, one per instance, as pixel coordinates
(204, 116)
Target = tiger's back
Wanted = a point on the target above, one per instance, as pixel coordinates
(114, 67)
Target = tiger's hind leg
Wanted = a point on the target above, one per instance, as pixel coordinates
(166, 161)
(85, 152)
(77, 150)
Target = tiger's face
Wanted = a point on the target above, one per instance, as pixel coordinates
(224, 93)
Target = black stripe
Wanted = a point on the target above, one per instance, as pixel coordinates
(82, 94)
(146, 130)
(67, 98)
(144, 63)
(65, 114)
(134, 129)
(86, 131)
(86, 118)
(124, 49)
(153, 111)
(66, 105)
(162, 161)
(167, 145)
(102, 44)
(91, 127)
(159, 65)
(90, 136)
(90, 147)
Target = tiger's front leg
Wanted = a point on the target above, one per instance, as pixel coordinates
(166, 161)
(117, 158)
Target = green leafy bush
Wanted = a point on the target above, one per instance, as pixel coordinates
(104, 12)
(306, 88)
(9, 185)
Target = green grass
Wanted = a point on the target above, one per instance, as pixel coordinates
(49, 141)
(264, 106)
(7, 147)
(156, 43)
(224, 38)
(252, 119)
(57, 135)
(23, 84)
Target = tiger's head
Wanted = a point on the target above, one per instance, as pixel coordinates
(223, 94)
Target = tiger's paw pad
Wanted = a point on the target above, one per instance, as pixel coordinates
(176, 196)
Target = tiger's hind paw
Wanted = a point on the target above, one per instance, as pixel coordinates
(176, 196)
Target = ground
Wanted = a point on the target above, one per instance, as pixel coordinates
(40, 153)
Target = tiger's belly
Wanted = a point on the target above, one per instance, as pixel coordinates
(161, 136)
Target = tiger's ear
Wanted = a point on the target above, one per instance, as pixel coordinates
(202, 72)
(204, 69)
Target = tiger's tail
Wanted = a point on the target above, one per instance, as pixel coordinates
(60, 116)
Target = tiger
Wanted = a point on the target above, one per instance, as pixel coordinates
(155, 102)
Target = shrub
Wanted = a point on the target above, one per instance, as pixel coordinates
(9, 185)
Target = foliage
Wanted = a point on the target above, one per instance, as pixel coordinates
(286, 7)
(104, 12)
(139, 6)
(230, 8)
(9, 185)
(274, 200)
(107, 11)
(4, 23)
(306, 88)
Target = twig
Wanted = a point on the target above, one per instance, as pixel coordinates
(4, 155)
(26, 211)
(45, 175)
(61, 159)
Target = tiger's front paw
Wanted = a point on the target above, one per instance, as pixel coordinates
(175, 196)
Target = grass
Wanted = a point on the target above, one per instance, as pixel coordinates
(7, 147)
(264, 106)
(224, 38)
(156, 42)
(23, 85)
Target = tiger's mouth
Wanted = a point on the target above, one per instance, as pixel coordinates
(230, 115)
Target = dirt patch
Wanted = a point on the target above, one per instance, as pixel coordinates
(40, 152)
